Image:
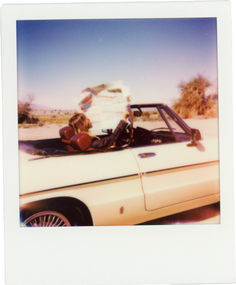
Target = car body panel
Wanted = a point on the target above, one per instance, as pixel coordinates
(191, 172)
(108, 211)
(110, 202)
(131, 198)
(53, 172)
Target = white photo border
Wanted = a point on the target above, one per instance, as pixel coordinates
(118, 254)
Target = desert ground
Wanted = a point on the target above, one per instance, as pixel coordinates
(208, 127)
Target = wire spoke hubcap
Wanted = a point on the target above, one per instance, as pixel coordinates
(47, 219)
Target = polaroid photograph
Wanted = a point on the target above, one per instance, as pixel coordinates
(164, 158)
(117, 143)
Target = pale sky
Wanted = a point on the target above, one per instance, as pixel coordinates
(57, 59)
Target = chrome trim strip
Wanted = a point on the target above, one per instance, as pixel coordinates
(154, 172)
(181, 167)
(78, 185)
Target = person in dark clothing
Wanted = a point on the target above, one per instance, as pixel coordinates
(111, 139)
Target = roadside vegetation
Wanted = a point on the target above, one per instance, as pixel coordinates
(30, 117)
(194, 102)
(25, 112)
(54, 116)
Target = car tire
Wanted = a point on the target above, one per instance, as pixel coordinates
(46, 219)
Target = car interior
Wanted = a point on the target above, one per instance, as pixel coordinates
(133, 134)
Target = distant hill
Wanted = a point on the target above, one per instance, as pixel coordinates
(40, 107)
(36, 107)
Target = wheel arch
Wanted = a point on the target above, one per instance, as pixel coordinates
(75, 210)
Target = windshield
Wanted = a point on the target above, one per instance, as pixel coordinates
(154, 118)
(148, 118)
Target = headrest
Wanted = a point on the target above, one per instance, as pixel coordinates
(81, 141)
(67, 132)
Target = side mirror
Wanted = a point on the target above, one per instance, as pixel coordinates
(195, 136)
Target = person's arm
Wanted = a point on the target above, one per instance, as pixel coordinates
(109, 140)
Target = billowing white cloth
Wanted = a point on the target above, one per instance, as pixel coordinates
(105, 104)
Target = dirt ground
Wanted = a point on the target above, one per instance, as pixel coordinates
(208, 127)
(35, 133)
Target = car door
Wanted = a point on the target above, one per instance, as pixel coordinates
(174, 172)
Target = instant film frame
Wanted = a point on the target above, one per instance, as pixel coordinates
(115, 255)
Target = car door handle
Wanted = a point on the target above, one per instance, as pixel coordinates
(146, 154)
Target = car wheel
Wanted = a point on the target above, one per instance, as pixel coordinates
(47, 219)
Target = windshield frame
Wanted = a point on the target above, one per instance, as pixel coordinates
(160, 108)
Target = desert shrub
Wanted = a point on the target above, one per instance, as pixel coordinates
(148, 116)
(31, 120)
(24, 112)
(22, 118)
(193, 100)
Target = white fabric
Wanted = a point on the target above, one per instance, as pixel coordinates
(107, 107)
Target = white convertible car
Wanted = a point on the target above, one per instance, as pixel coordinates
(158, 166)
